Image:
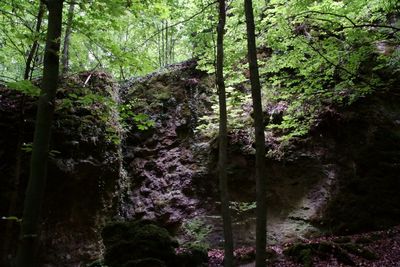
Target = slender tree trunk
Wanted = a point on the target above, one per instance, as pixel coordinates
(121, 72)
(67, 39)
(173, 50)
(159, 46)
(166, 43)
(171, 46)
(12, 209)
(35, 62)
(35, 44)
(162, 44)
(37, 181)
(261, 185)
(20, 126)
(223, 139)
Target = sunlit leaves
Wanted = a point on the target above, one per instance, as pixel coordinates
(25, 87)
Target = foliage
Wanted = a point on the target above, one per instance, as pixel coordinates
(12, 218)
(196, 231)
(25, 87)
(100, 107)
(95, 107)
(127, 242)
(241, 207)
(311, 54)
(128, 117)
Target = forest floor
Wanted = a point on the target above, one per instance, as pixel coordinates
(379, 248)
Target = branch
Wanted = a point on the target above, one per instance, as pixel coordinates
(180, 22)
(7, 78)
(354, 75)
(22, 20)
(324, 13)
(396, 29)
(16, 47)
(353, 24)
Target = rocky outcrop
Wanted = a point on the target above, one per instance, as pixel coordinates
(84, 169)
(342, 177)
(313, 181)
(160, 161)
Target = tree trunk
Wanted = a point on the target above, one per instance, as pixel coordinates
(37, 181)
(166, 43)
(35, 62)
(223, 139)
(261, 225)
(12, 208)
(171, 46)
(162, 44)
(159, 46)
(67, 39)
(35, 44)
(18, 155)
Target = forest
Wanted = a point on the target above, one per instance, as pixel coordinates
(188, 133)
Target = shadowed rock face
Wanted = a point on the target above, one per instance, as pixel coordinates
(83, 175)
(161, 161)
(343, 177)
(311, 184)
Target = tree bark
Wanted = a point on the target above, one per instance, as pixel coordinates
(261, 185)
(18, 155)
(159, 45)
(35, 43)
(162, 44)
(29, 235)
(166, 43)
(223, 139)
(67, 39)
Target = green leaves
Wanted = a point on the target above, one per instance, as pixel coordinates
(12, 218)
(128, 117)
(26, 87)
(143, 121)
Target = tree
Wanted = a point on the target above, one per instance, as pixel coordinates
(29, 235)
(35, 44)
(261, 185)
(67, 39)
(223, 139)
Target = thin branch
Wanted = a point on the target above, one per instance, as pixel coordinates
(353, 24)
(16, 47)
(323, 13)
(396, 29)
(354, 75)
(22, 20)
(180, 22)
(7, 78)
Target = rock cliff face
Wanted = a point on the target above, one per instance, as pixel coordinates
(83, 176)
(161, 161)
(342, 177)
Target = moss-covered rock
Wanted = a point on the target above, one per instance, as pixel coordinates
(138, 243)
(147, 262)
(305, 253)
(340, 248)
(195, 256)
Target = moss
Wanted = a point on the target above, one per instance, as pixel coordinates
(147, 262)
(343, 257)
(360, 251)
(363, 240)
(194, 257)
(97, 263)
(304, 253)
(271, 254)
(127, 242)
(301, 253)
(342, 239)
